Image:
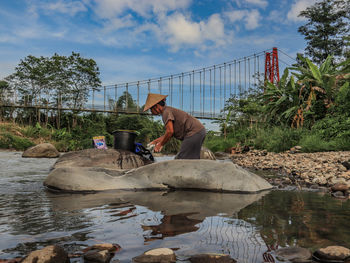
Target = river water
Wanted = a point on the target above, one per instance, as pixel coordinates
(248, 227)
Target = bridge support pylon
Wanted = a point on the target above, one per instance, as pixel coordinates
(271, 66)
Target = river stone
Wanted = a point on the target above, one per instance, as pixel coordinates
(207, 154)
(333, 253)
(340, 187)
(174, 174)
(106, 158)
(43, 150)
(163, 255)
(294, 254)
(212, 258)
(49, 254)
(100, 256)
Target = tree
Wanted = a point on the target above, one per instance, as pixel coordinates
(56, 80)
(325, 29)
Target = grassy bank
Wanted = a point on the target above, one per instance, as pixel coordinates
(279, 139)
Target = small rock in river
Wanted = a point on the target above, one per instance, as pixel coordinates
(100, 256)
(340, 187)
(338, 194)
(164, 255)
(332, 253)
(49, 254)
(212, 258)
(294, 254)
(105, 246)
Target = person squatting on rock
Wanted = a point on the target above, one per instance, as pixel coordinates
(179, 124)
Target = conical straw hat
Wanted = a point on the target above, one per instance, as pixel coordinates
(153, 99)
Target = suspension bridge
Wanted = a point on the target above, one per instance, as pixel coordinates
(200, 92)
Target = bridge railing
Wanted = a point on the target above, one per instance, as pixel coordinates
(201, 92)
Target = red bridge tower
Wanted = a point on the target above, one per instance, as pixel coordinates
(271, 66)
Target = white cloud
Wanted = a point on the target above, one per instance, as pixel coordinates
(180, 30)
(66, 7)
(261, 3)
(144, 8)
(250, 17)
(235, 15)
(297, 7)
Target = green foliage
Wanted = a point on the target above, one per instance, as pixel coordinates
(327, 24)
(277, 139)
(10, 141)
(64, 80)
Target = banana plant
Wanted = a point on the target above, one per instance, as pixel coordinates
(318, 85)
(281, 100)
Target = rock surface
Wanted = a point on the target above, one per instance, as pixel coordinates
(106, 158)
(178, 174)
(322, 168)
(207, 154)
(43, 150)
(164, 255)
(333, 253)
(294, 254)
(100, 256)
(49, 254)
(212, 258)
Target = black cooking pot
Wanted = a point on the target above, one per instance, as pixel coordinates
(124, 140)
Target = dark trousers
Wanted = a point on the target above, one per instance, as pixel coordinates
(191, 146)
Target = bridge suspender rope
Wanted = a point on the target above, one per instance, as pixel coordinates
(202, 92)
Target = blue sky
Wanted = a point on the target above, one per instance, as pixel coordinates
(139, 39)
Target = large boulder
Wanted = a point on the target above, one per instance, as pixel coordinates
(174, 174)
(43, 150)
(105, 158)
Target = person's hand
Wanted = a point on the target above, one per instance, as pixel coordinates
(158, 147)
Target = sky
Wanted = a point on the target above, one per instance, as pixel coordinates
(140, 39)
(134, 40)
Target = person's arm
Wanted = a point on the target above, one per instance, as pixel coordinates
(169, 132)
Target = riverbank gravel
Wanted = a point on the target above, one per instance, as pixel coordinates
(320, 168)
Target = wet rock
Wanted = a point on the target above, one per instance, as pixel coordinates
(104, 158)
(164, 255)
(338, 194)
(207, 154)
(43, 150)
(49, 254)
(294, 254)
(346, 164)
(332, 253)
(104, 246)
(221, 155)
(100, 256)
(211, 258)
(340, 187)
(175, 174)
(13, 260)
(315, 186)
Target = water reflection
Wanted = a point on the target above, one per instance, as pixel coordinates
(190, 222)
(248, 227)
(306, 219)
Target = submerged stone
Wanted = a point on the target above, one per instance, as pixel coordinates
(164, 255)
(294, 254)
(212, 258)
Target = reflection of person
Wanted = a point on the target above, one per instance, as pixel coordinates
(179, 124)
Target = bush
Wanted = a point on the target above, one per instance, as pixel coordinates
(9, 141)
(277, 139)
